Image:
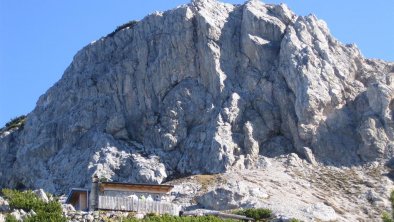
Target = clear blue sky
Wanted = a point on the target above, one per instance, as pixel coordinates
(38, 39)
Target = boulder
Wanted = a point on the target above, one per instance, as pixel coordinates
(322, 212)
(41, 195)
(32, 213)
(19, 215)
(68, 208)
(221, 199)
(89, 218)
(235, 194)
(4, 205)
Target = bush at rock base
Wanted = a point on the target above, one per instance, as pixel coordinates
(27, 200)
(386, 217)
(10, 218)
(259, 214)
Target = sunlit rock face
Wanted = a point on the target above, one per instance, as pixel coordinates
(201, 89)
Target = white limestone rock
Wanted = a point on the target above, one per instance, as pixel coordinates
(89, 218)
(4, 205)
(204, 88)
(41, 195)
(300, 190)
(31, 213)
(322, 212)
(67, 208)
(234, 194)
(19, 214)
(221, 198)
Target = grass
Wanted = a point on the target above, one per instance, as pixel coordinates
(209, 180)
(206, 180)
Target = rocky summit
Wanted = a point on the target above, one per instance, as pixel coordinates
(211, 88)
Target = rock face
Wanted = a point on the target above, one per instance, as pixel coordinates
(200, 89)
(292, 188)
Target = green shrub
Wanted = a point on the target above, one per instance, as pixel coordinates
(129, 24)
(257, 214)
(103, 179)
(386, 217)
(17, 122)
(21, 200)
(27, 200)
(10, 218)
(392, 203)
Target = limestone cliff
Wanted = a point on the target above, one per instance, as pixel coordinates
(204, 88)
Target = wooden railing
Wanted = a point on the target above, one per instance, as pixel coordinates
(143, 206)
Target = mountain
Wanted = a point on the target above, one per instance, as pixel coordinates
(205, 88)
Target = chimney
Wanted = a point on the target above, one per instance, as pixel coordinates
(93, 196)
